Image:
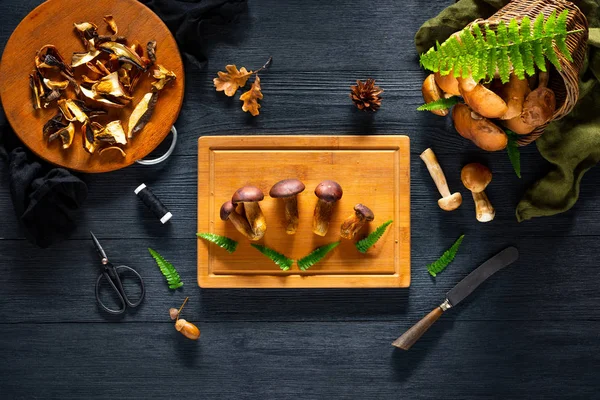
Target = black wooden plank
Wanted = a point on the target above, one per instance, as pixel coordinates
(553, 279)
(114, 210)
(454, 360)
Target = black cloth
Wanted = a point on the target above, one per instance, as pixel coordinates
(46, 199)
(191, 21)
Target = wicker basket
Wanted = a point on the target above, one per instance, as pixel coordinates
(565, 83)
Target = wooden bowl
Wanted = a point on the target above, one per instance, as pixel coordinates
(52, 23)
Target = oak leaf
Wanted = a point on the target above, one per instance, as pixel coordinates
(251, 97)
(230, 81)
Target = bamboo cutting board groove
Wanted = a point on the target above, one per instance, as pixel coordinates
(52, 23)
(373, 170)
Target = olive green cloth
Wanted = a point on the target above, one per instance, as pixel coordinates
(572, 144)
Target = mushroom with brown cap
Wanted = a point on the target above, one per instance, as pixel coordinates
(476, 177)
(432, 92)
(448, 83)
(288, 190)
(481, 131)
(328, 192)
(350, 227)
(538, 109)
(484, 102)
(228, 213)
(448, 202)
(249, 196)
(540, 104)
(513, 93)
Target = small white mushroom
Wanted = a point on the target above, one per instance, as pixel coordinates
(448, 202)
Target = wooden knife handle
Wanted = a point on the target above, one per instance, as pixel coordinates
(411, 336)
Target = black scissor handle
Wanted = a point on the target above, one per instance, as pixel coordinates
(117, 286)
(121, 310)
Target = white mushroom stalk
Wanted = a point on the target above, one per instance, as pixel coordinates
(448, 202)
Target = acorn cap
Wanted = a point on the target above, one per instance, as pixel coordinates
(226, 209)
(329, 191)
(286, 188)
(365, 211)
(247, 194)
(476, 177)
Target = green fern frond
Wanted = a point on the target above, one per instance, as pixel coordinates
(366, 243)
(282, 261)
(513, 151)
(168, 270)
(538, 27)
(441, 263)
(526, 49)
(516, 46)
(316, 255)
(439, 104)
(222, 241)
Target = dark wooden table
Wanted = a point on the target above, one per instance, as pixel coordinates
(530, 332)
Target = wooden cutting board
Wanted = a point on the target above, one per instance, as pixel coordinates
(52, 23)
(373, 170)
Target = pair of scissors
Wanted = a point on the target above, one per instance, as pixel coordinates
(110, 273)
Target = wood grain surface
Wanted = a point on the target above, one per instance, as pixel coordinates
(373, 170)
(530, 332)
(52, 23)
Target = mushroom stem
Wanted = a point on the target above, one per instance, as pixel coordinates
(484, 211)
(256, 219)
(352, 225)
(448, 202)
(433, 166)
(242, 225)
(291, 214)
(322, 216)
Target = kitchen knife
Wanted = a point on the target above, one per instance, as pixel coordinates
(458, 294)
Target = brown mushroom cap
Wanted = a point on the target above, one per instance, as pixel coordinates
(329, 191)
(538, 107)
(432, 92)
(476, 177)
(485, 102)
(286, 188)
(483, 132)
(365, 211)
(448, 83)
(513, 93)
(226, 209)
(247, 194)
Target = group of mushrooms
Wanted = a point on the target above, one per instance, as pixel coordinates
(102, 77)
(245, 213)
(513, 105)
(476, 177)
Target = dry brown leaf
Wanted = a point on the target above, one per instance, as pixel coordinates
(230, 81)
(251, 97)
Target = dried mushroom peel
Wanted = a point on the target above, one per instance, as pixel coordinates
(65, 134)
(142, 113)
(164, 76)
(112, 72)
(123, 53)
(80, 59)
(112, 25)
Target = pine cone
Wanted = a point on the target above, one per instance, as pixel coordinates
(366, 95)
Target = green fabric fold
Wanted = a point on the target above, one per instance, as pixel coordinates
(572, 144)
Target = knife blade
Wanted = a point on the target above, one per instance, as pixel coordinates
(480, 274)
(457, 294)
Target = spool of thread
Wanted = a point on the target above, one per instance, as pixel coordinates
(153, 203)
